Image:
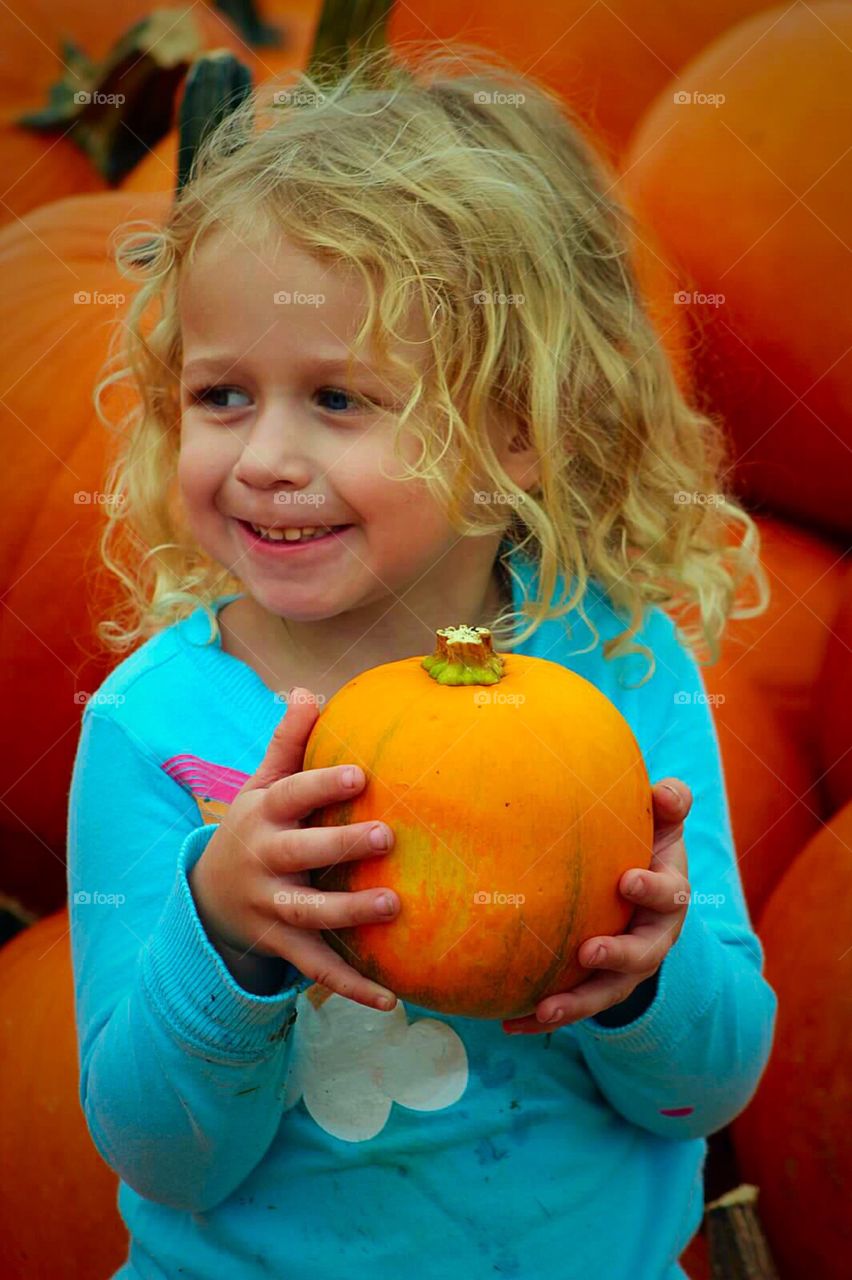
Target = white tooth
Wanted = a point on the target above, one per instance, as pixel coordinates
(290, 535)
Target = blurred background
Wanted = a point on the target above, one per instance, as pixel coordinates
(730, 127)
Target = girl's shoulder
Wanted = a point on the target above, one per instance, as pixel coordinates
(150, 661)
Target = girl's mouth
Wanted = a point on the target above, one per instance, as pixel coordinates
(281, 546)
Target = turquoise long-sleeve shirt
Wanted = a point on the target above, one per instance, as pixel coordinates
(302, 1135)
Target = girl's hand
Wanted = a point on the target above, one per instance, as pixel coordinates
(631, 957)
(251, 885)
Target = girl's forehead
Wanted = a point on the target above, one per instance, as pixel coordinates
(231, 279)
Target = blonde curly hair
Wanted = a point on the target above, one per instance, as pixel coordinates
(442, 180)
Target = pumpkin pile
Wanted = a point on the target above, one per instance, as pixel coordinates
(729, 126)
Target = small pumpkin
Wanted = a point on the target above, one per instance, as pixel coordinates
(518, 797)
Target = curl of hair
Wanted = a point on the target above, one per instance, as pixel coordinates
(443, 181)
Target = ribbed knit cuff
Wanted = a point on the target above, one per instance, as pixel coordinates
(191, 988)
(688, 981)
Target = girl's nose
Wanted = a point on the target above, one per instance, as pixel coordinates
(273, 453)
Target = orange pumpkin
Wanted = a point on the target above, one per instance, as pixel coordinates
(751, 197)
(59, 1218)
(782, 652)
(763, 688)
(37, 167)
(518, 797)
(50, 491)
(769, 779)
(607, 59)
(833, 709)
(793, 1140)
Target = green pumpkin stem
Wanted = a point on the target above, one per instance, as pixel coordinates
(464, 655)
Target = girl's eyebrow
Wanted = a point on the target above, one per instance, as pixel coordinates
(328, 363)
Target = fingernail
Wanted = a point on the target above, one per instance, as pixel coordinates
(385, 904)
(596, 956)
(351, 776)
(554, 1017)
(675, 793)
(635, 887)
(384, 1002)
(379, 838)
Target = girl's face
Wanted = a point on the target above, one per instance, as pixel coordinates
(274, 431)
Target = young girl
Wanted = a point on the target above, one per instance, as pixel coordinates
(400, 313)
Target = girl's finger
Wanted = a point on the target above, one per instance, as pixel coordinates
(306, 848)
(295, 797)
(315, 959)
(586, 999)
(638, 953)
(670, 811)
(655, 890)
(306, 907)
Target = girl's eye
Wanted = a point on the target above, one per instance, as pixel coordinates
(359, 401)
(204, 396)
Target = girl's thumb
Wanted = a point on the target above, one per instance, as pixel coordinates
(286, 751)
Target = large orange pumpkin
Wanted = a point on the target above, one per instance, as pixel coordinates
(794, 1140)
(764, 686)
(770, 781)
(59, 1218)
(607, 59)
(518, 797)
(833, 709)
(52, 500)
(751, 197)
(782, 652)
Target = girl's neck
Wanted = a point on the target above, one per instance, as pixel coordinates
(257, 638)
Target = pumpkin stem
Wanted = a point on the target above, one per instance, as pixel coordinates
(244, 18)
(117, 110)
(464, 655)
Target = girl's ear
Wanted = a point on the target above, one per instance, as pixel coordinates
(520, 458)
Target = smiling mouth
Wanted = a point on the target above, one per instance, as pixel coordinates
(291, 537)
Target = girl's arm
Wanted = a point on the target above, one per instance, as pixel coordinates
(181, 1069)
(694, 1041)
